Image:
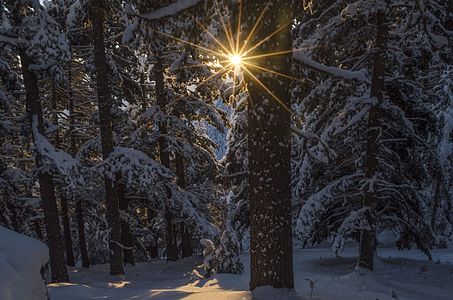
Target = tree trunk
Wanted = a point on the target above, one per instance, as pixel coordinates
(82, 239)
(105, 120)
(152, 250)
(59, 272)
(170, 231)
(13, 218)
(67, 232)
(269, 141)
(38, 231)
(126, 235)
(63, 200)
(367, 237)
(186, 240)
(73, 151)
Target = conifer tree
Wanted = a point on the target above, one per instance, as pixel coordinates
(105, 120)
(269, 143)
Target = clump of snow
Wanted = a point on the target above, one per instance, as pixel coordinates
(54, 160)
(21, 259)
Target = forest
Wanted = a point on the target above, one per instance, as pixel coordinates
(226, 149)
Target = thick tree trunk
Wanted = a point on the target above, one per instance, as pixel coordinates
(269, 143)
(170, 232)
(105, 120)
(126, 235)
(367, 237)
(73, 151)
(56, 97)
(186, 240)
(59, 272)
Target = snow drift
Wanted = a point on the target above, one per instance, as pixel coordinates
(21, 259)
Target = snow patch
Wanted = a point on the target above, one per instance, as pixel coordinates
(21, 259)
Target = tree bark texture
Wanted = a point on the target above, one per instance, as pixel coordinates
(367, 236)
(56, 98)
(269, 141)
(59, 272)
(105, 120)
(73, 151)
(170, 232)
(126, 235)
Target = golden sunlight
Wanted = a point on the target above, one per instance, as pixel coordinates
(237, 56)
(236, 59)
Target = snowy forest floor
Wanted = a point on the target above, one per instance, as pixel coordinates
(398, 275)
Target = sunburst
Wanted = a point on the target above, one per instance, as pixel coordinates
(236, 57)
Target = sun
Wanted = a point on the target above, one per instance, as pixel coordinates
(237, 55)
(236, 59)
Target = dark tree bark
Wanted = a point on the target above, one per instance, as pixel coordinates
(152, 250)
(59, 272)
(56, 97)
(38, 231)
(126, 235)
(82, 239)
(269, 143)
(170, 231)
(186, 240)
(105, 120)
(67, 232)
(367, 237)
(73, 151)
(13, 218)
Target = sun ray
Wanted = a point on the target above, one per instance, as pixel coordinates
(268, 54)
(238, 29)
(268, 90)
(193, 66)
(213, 37)
(249, 36)
(249, 97)
(219, 72)
(234, 83)
(228, 34)
(266, 38)
(277, 53)
(271, 71)
(191, 44)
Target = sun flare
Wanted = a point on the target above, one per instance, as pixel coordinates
(238, 56)
(236, 59)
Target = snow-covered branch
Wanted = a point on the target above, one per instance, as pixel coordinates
(53, 159)
(170, 10)
(361, 75)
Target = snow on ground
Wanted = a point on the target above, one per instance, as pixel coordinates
(21, 259)
(404, 275)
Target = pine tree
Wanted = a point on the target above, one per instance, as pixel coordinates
(30, 20)
(336, 154)
(269, 142)
(367, 236)
(105, 106)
